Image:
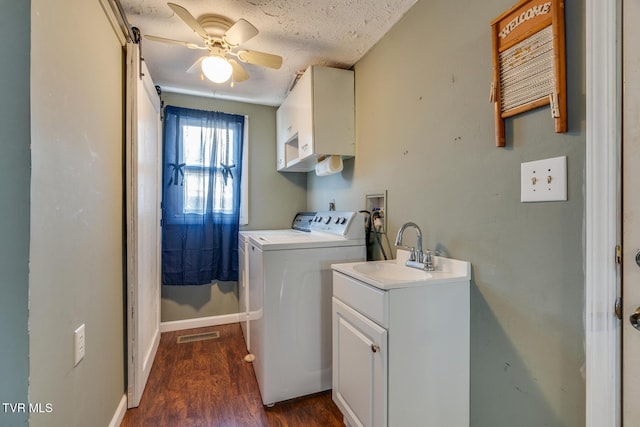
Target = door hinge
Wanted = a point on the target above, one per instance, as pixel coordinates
(618, 308)
(619, 254)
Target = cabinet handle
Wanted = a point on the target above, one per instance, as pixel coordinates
(375, 348)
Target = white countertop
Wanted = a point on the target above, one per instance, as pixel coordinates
(447, 270)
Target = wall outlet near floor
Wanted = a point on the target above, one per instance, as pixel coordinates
(544, 180)
(78, 344)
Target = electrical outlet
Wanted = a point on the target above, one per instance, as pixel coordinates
(544, 180)
(78, 344)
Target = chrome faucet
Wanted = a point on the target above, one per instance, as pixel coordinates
(417, 257)
(413, 256)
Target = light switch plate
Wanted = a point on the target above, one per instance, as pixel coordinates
(544, 180)
(78, 344)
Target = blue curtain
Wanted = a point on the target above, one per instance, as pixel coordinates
(201, 196)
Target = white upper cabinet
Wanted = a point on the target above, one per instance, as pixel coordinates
(316, 119)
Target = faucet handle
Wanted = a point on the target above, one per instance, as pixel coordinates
(427, 260)
(412, 253)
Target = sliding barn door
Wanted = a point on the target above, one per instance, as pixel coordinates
(143, 223)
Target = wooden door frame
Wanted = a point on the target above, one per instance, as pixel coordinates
(602, 212)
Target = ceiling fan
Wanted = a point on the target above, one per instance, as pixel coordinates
(221, 37)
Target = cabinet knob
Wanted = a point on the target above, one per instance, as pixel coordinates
(375, 348)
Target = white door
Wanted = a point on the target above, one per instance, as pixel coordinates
(359, 372)
(631, 214)
(143, 224)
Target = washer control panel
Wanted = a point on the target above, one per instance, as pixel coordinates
(303, 220)
(334, 222)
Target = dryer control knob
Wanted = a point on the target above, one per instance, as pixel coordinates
(328, 220)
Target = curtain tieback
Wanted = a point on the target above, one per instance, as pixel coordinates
(176, 170)
(226, 172)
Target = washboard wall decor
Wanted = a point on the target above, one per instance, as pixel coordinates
(529, 68)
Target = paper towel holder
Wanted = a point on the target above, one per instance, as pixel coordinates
(328, 165)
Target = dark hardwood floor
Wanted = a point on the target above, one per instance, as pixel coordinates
(207, 383)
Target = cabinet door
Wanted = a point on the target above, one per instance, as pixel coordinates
(280, 138)
(359, 367)
(283, 131)
(304, 115)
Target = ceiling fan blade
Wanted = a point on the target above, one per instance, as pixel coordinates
(189, 19)
(239, 73)
(171, 41)
(240, 32)
(260, 58)
(195, 68)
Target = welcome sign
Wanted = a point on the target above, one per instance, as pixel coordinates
(529, 68)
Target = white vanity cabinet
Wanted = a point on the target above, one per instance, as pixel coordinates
(359, 367)
(316, 119)
(401, 355)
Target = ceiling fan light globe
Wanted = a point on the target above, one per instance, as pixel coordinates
(216, 68)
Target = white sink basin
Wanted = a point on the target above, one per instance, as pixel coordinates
(393, 274)
(391, 271)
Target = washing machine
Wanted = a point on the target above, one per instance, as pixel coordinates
(290, 289)
(301, 223)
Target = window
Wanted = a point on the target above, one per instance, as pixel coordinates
(204, 185)
(198, 168)
(209, 159)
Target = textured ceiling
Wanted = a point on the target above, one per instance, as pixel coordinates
(303, 32)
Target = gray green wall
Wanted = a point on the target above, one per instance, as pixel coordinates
(425, 132)
(15, 170)
(273, 200)
(426, 136)
(76, 247)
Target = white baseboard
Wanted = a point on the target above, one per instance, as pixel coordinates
(118, 416)
(200, 322)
